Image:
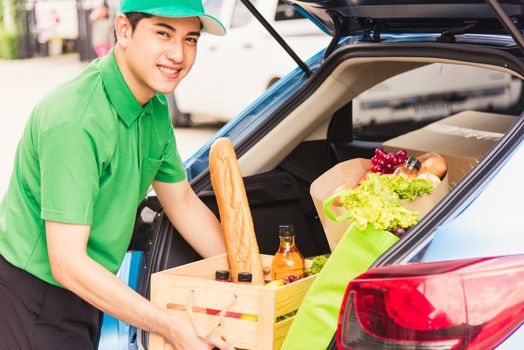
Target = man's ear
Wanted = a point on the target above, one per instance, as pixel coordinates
(123, 30)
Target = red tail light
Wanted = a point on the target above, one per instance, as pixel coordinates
(466, 304)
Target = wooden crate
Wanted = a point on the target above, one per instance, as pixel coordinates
(171, 289)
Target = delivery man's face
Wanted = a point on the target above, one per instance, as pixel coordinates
(160, 52)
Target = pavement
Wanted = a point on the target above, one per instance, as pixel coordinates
(25, 82)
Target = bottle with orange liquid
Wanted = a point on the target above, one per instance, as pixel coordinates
(287, 260)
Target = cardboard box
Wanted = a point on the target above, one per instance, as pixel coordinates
(171, 289)
(349, 173)
(462, 139)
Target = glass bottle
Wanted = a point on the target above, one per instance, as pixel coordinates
(409, 169)
(245, 277)
(222, 275)
(287, 260)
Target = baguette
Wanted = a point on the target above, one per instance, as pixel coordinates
(235, 215)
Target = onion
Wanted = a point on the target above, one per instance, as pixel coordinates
(434, 179)
(434, 165)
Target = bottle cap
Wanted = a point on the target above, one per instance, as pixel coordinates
(245, 277)
(414, 162)
(222, 275)
(286, 230)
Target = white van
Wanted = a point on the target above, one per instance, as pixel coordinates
(228, 63)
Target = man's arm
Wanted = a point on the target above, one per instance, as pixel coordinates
(192, 218)
(76, 271)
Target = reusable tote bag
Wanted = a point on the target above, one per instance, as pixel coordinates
(317, 317)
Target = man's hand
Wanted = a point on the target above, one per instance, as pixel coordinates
(195, 222)
(192, 341)
(76, 271)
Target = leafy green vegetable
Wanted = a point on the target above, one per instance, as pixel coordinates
(317, 265)
(377, 201)
(405, 188)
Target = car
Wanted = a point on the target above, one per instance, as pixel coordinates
(304, 124)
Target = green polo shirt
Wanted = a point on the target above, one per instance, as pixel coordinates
(87, 156)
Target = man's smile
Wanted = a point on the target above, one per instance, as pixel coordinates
(169, 72)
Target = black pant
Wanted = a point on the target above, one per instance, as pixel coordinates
(35, 315)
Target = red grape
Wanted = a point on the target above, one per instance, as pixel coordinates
(385, 162)
(399, 231)
(292, 278)
(401, 153)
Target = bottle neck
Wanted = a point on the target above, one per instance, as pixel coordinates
(287, 241)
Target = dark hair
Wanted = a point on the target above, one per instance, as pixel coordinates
(134, 18)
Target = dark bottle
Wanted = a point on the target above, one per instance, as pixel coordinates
(245, 277)
(222, 275)
(287, 260)
(409, 169)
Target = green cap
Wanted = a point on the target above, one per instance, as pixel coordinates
(175, 8)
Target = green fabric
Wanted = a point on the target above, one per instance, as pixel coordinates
(317, 318)
(88, 154)
(179, 8)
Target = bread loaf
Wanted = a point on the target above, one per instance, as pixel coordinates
(235, 215)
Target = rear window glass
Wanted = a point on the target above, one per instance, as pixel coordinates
(419, 97)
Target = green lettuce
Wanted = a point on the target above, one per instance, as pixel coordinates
(317, 265)
(377, 201)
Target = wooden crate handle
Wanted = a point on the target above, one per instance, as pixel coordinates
(201, 330)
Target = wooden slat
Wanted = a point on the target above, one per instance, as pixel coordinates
(212, 294)
(240, 333)
(289, 297)
(266, 318)
(281, 329)
(158, 297)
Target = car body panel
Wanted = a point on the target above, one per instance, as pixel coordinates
(115, 334)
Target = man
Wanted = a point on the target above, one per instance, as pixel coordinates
(88, 154)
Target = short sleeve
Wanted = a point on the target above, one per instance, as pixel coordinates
(172, 168)
(69, 174)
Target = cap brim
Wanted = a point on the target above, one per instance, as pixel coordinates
(212, 25)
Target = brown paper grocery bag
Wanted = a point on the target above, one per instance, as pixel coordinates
(349, 173)
(345, 173)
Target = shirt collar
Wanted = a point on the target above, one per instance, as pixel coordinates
(118, 91)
